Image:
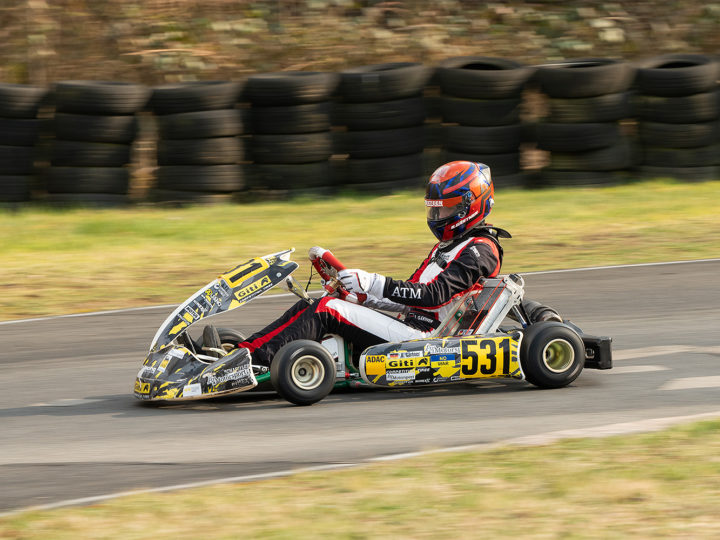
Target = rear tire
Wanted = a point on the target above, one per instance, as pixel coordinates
(303, 372)
(552, 354)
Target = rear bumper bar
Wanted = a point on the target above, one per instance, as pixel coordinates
(598, 351)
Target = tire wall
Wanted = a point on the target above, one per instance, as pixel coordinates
(480, 101)
(677, 108)
(93, 130)
(371, 128)
(584, 131)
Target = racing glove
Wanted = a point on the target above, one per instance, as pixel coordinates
(361, 282)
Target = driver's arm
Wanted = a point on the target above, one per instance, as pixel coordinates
(475, 262)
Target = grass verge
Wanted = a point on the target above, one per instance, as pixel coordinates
(74, 260)
(658, 485)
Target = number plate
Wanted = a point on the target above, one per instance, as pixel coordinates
(488, 357)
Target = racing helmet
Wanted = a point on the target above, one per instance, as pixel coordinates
(459, 196)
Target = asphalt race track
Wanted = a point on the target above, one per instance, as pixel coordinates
(70, 427)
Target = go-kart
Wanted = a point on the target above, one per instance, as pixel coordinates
(470, 344)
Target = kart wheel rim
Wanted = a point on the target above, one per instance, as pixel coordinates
(307, 372)
(558, 355)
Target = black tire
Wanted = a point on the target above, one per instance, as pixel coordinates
(702, 156)
(89, 154)
(290, 119)
(552, 354)
(16, 160)
(203, 178)
(678, 135)
(557, 137)
(678, 110)
(19, 131)
(105, 180)
(290, 176)
(611, 158)
(229, 338)
(215, 151)
(373, 170)
(290, 87)
(687, 174)
(303, 372)
(678, 74)
(297, 148)
(83, 127)
(553, 177)
(585, 77)
(482, 140)
(100, 97)
(383, 82)
(201, 124)
(383, 142)
(20, 100)
(92, 200)
(500, 164)
(193, 96)
(388, 186)
(481, 77)
(171, 197)
(480, 112)
(15, 188)
(606, 108)
(398, 113)
(504, 181)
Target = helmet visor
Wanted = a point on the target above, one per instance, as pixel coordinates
(440, 209)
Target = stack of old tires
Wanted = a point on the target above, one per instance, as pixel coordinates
(19, 129)
(291, 142)
(199, 148)
(480, 104)
(382, 111)
(95, 125)
(678, 108)
(588, 99)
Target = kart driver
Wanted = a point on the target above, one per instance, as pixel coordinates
(459, 197)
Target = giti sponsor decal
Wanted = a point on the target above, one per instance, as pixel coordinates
(400, 363)
(253, 287)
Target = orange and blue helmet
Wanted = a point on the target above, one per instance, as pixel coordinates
(459, 196)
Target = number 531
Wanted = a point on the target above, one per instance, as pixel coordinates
(485, 357)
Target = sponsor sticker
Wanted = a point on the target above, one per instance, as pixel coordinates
(232, 375)
(400, 375)
(404, 363)
(142, 387)
(190, 390)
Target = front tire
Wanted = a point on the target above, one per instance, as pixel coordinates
(552, 354)
(303, 372)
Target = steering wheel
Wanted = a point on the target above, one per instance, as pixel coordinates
(327, 265)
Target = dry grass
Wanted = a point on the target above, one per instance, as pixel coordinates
(661, 485)
(78, 260)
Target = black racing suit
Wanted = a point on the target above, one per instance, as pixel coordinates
(449, 271)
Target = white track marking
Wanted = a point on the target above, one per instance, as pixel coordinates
(66, 402)
(128, 310)
(624, 428)
(663, 350)
(692, 382)
(622, 370)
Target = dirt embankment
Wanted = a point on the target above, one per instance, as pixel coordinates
(156, 41)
